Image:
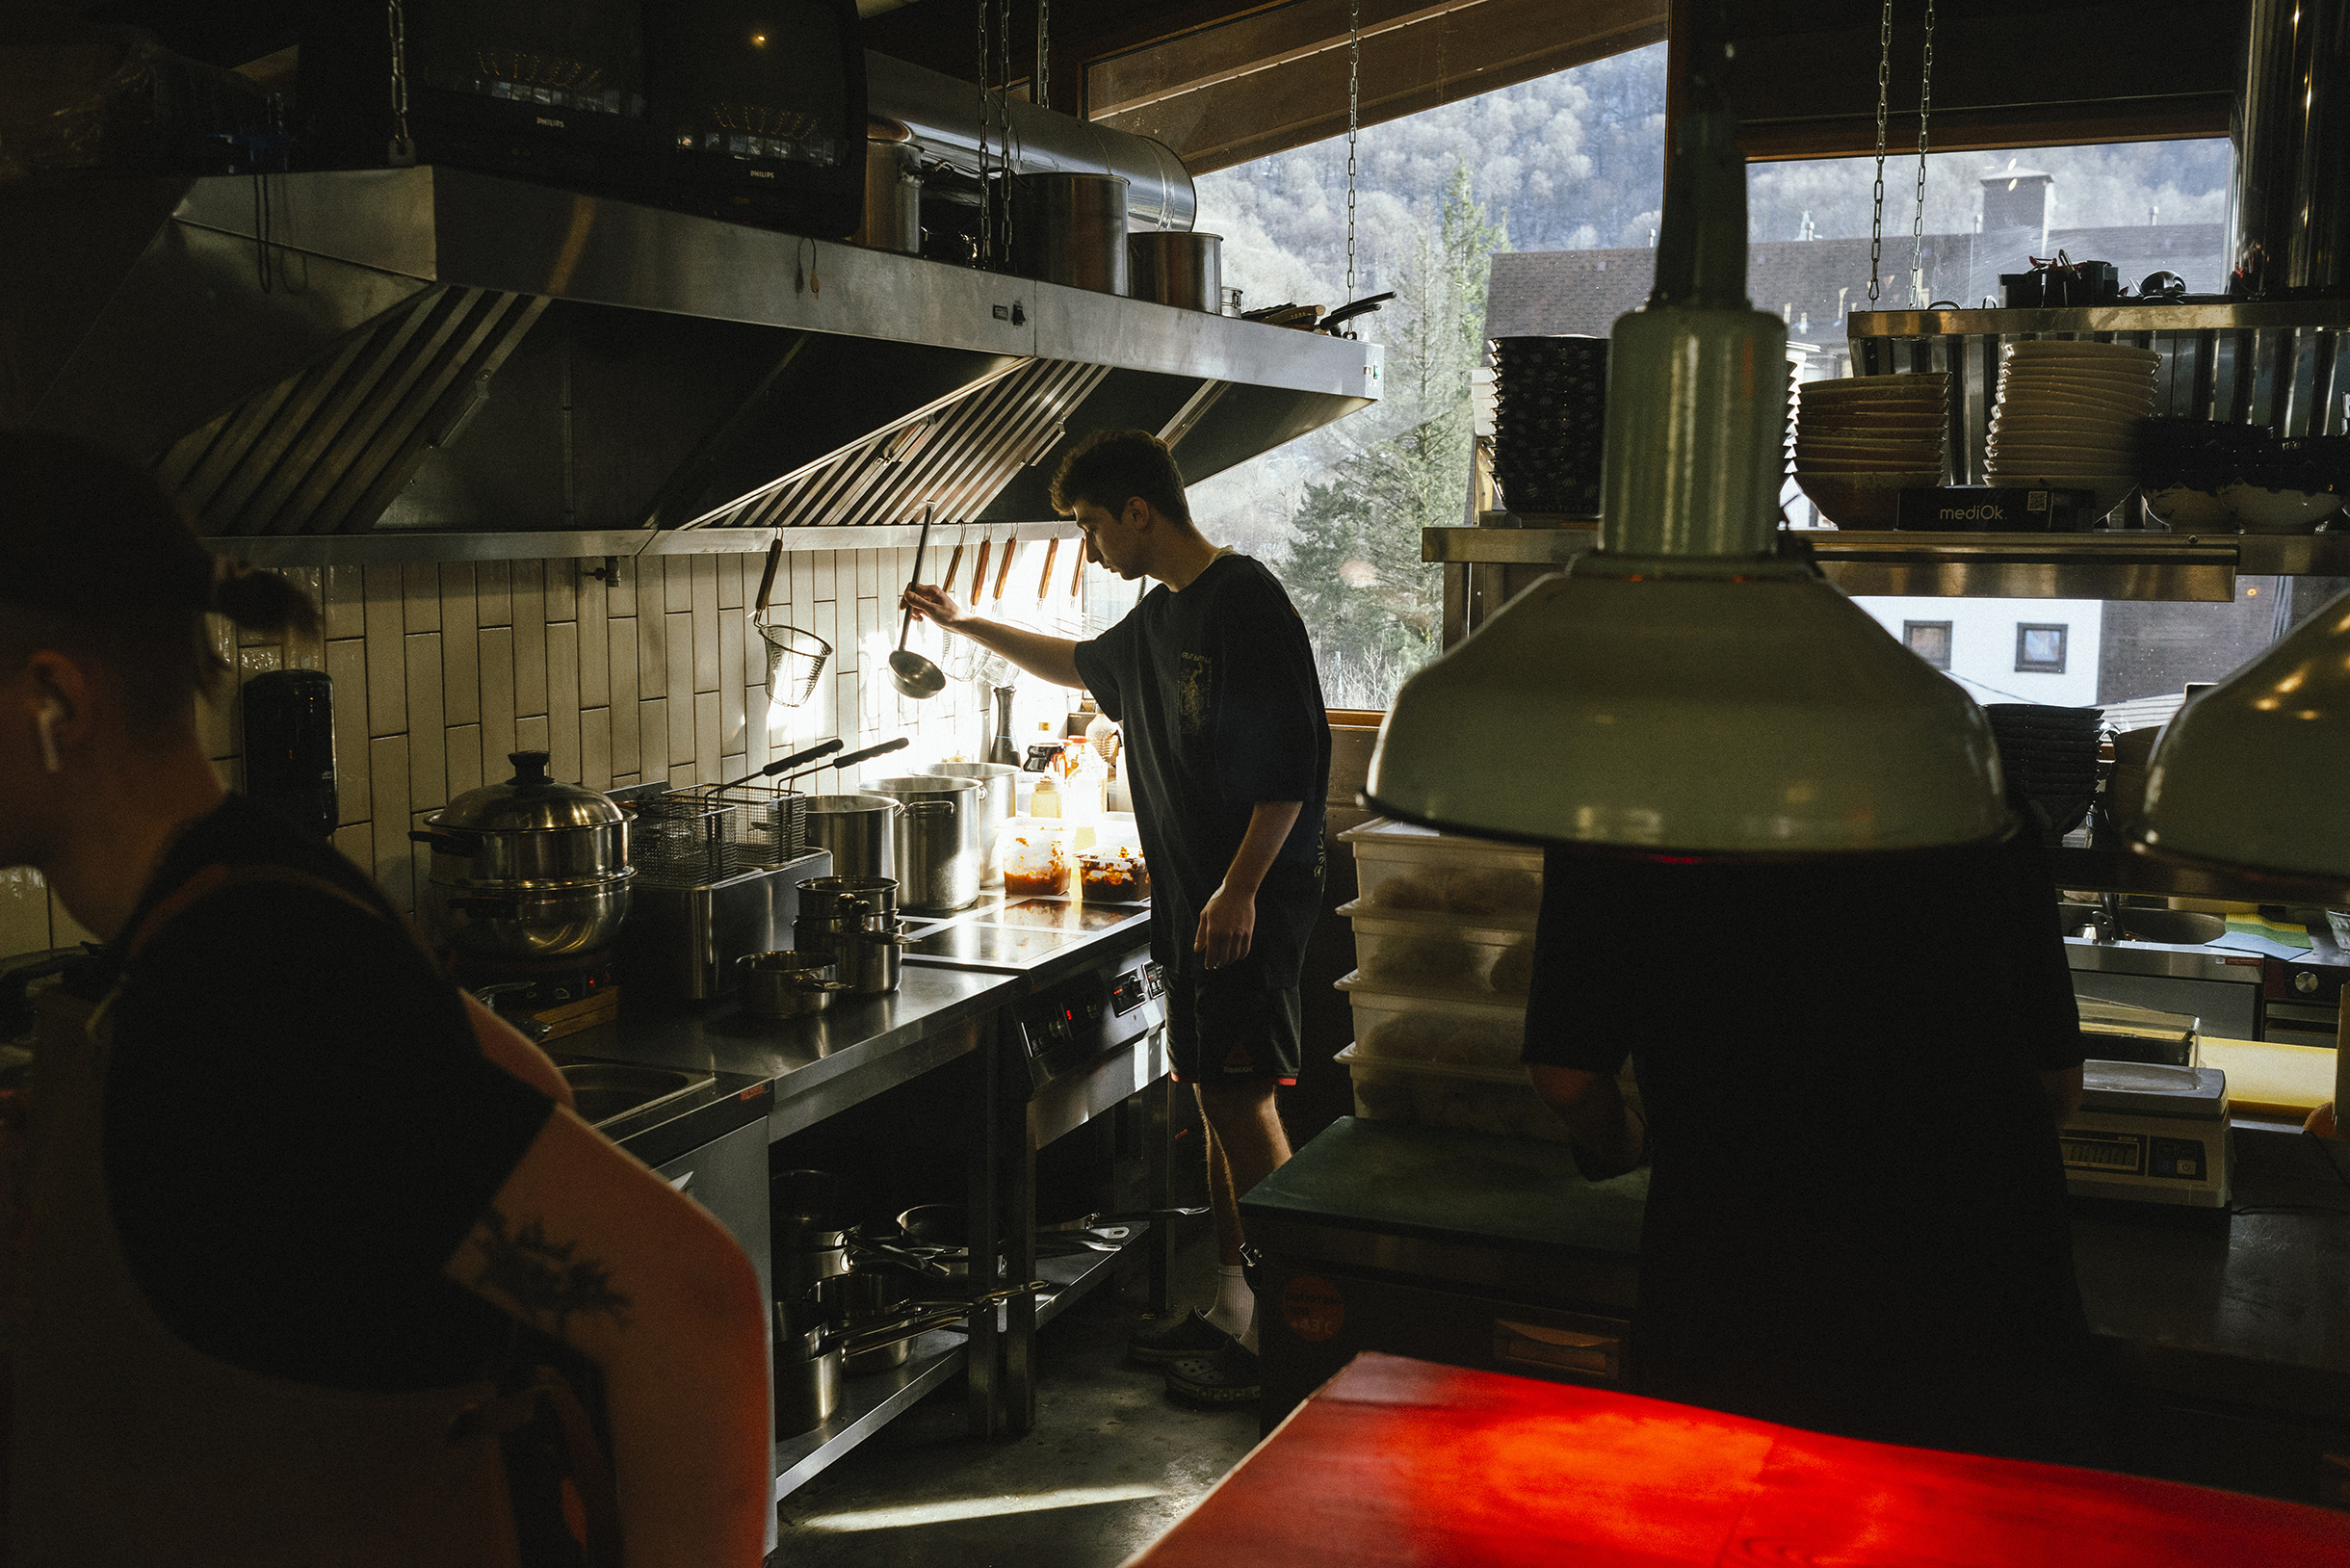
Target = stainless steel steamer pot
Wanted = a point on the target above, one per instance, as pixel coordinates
(936, 839)
(528, 869)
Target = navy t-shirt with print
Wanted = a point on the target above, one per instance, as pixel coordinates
(1219, 707)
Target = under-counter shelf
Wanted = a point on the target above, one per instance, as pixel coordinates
(868, 1403)
(2112, 565)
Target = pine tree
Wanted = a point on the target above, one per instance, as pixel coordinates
(1374, 607)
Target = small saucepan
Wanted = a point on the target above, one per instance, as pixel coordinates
(785, 985)
(811, 1211)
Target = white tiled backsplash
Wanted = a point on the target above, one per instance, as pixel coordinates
(442, 669)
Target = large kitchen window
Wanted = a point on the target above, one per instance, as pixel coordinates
(2040, 648)
(1532, 210)
(2134, 659)
(1573, 162)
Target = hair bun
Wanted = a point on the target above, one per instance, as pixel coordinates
(261, 601)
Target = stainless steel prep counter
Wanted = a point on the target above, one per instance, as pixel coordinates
(820, 1064)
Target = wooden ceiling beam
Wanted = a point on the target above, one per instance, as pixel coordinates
(2011, 73)
(1279, 80)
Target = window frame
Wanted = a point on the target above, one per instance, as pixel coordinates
(1949, 639)
(2064, 648)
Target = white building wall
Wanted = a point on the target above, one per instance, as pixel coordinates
(1983, 644)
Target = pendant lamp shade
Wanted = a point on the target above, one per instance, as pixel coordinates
(1682, 689)
(2254, 773)
(1763, 714)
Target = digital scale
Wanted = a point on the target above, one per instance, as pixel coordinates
(2148, 1133)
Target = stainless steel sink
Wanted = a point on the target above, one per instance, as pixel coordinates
(608, 1091)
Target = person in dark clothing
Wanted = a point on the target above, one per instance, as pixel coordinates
(1226, 746)
(280, 1201)
(1855, 1215)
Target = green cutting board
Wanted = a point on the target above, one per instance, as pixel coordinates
(1442, 1182)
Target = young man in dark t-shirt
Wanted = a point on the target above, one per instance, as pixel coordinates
(1227, 748)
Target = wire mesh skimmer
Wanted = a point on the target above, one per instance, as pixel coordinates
(795, 659)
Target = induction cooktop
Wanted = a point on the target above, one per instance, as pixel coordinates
(990, 947)
(1062, 915)
(1015, 936)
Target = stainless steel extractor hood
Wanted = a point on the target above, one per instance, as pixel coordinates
(391, 363)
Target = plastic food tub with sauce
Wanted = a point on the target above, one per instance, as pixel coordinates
(1034, 854)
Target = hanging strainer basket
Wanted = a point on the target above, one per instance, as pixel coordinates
(793, 659)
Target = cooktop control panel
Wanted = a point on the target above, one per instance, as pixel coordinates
(1068, 1024)
(1135, 987)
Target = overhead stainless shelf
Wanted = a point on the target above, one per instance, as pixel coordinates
(2212, 316)
(2199, 567)
(2274, 363)
(2122, 870)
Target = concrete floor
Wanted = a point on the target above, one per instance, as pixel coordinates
(1111, 1463)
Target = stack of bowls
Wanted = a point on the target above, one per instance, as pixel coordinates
(2067, 417)
(2210, 476)
(1550, 422)
(2302, 488)
(2187, 468)
(1860, 441)
(2050, 756)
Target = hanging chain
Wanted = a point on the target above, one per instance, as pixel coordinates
(986, 199)
(1876, 221)
(1010, 162)
(1354, 93)
(403, 148)
(1925, 107)
(1044, 58)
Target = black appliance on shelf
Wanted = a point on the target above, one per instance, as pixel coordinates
(522, 87)
(761, 105)
(748, 110)
(289, 746)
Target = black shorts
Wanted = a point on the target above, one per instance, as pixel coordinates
(1233, 1029)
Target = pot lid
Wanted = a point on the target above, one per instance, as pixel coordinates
(527, 801)
(922, 784)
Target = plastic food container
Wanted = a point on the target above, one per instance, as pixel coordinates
(1418, 873)
(1034, 854)
(1113, 874)
(1484, 963)
(1417, 1025)
(1496, 1100)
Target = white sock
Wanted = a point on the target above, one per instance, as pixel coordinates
(1248, 1341)
(1236, 1304)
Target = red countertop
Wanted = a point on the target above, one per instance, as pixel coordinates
(1404, 1462)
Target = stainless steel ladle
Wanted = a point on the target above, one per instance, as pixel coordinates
(913, 674)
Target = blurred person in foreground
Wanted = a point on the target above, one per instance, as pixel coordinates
(297, 1228)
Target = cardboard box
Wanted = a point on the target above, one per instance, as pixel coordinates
(1983, 508)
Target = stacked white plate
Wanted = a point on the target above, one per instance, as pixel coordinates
(2067, 416)
(1860, 441)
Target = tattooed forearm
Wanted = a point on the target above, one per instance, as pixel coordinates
(547, 1282)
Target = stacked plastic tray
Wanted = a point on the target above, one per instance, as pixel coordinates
(1443, 941)
(1550, 422)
